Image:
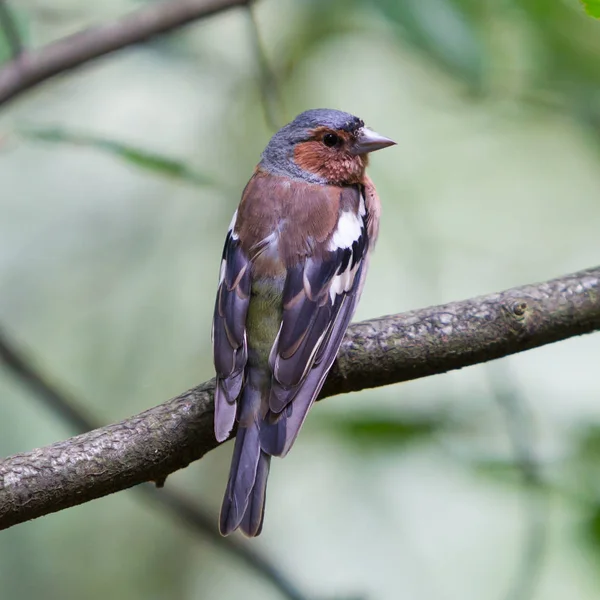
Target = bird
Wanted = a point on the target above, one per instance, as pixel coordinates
(292, 272)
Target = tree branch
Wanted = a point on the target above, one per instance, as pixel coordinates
(191, 514)
(379, 352)
(33, 67)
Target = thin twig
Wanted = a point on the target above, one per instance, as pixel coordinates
(511, 402)
(163, 439)
(10, 30)
(184, 510)
(269, 86)
(37, 66)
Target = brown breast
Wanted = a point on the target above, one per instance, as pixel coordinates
(280, 220)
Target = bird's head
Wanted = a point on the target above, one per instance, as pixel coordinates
(323, 146)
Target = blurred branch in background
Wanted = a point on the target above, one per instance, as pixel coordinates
(269, 87)
(153, 444)
(33, 67)
(189, 513)
(10, 30)
(519, 423)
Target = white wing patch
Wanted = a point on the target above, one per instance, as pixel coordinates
(223, 269)
(234, 235)
(343, 282)
(347, 231)
(350, 228)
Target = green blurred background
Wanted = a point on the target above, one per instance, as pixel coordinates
(478, 484)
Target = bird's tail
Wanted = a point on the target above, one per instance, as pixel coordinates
(244, 501)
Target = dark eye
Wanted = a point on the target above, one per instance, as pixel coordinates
(330, 139)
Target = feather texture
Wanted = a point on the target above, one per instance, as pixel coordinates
(293, 268)
(312, 328)
(228, 333)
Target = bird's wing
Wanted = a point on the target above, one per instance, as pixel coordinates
(229, 331)
(319, 298)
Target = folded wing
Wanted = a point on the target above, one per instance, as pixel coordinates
(319, 299)
(229, 332)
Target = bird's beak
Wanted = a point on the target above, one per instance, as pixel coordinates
(369, 141)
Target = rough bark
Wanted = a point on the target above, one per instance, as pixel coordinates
(392, 349)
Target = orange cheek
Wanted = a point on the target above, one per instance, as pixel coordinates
(312, 157)
(331, 164)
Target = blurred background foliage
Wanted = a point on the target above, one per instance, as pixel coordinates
(118, 182)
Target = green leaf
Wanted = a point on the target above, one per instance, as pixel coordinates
(380, 432)
(137, 157)
(591, 528)
(592, 7)
(21, 25)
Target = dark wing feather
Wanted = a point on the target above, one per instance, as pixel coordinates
(303, 325)
(297, 410)
(320, 297)
(229, 333)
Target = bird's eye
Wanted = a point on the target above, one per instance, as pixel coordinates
(330, 139)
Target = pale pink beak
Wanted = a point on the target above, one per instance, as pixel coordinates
(368, 140)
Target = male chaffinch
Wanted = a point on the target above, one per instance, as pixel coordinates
(293, 267)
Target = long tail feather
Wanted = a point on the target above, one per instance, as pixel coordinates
(252, 520)
(244, 501)
(241, 478)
